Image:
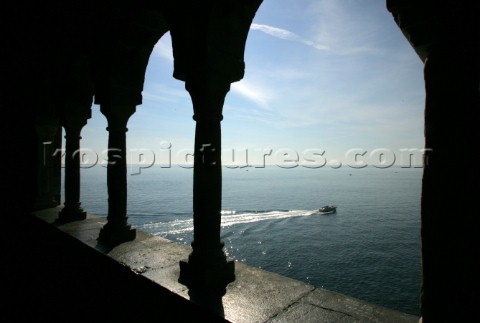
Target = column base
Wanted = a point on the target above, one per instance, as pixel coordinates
(71, 214)
(45, 203)
(207, 272)
(114, 235)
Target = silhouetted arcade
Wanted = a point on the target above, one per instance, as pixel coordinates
(63, 58)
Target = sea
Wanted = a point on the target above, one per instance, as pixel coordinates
(369, 249)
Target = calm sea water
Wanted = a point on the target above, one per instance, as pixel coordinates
(369, 249)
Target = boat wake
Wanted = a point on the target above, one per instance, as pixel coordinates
(229, 218)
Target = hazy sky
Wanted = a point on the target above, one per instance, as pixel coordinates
(321, 76)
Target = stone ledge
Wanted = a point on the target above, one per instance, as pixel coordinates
(255, 296)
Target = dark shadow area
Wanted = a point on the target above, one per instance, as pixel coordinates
(446, 37)
(51, 277)
(209, 299)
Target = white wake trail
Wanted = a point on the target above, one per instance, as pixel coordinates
(229, 218)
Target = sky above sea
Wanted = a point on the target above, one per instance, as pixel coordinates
(329, 78)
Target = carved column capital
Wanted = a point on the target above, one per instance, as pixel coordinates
(74, 115)
(117, 116)
(208, 94)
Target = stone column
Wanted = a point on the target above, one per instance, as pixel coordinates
(73, 124)
(117, 230)
(57, 166)
(208, 40)
(207, 265)
(45, 139)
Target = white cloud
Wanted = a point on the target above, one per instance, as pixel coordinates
(335, 47)
(275, 32)
(286, 35)
(250, 92)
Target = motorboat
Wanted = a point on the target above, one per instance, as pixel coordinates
(328, 209)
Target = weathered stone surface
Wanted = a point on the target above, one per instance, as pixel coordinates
(257, 295)
(347, 309)
(306, 313)
(48, 215)
(153, 253)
